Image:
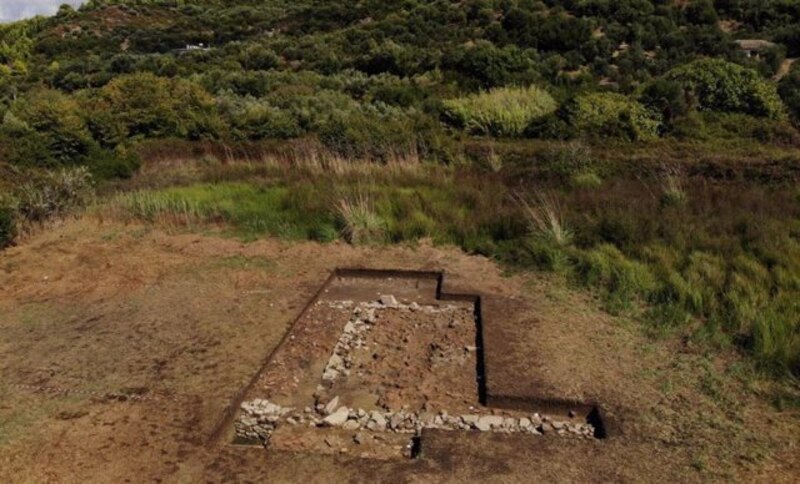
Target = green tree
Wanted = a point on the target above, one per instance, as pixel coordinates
(789, 90)
(150, 106)
(718, 85)
(45, 127)
(612, 114)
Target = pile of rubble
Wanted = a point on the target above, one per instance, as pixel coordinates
(353, 336)
(261, 417)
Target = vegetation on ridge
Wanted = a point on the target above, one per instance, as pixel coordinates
(556, 135)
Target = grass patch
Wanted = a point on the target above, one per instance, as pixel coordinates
(500, 112)
(720, 267)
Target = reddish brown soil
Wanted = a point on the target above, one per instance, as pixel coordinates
(183, 321)
(291, 377)
(416, 361)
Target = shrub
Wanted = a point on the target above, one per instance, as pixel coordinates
(548, 255)
(552, 126)
(490, 66)
(567, 159)
(371, 134)
(776, 336)
(8, 227)
(544, 217)
(500, 112)
(611, 114)
(666, 97)
(672, 191)
(45, 128)
(789, 89)
(251, 118)
(107, 164)
(54, 193)
(718, 85)
(360, 223)
(620, 279)
(746, 296)
(738, 126)
(705, 276)
(151, 106)
(587, 180)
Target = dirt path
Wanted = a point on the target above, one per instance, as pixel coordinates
(784, 69)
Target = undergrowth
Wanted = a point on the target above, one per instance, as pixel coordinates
(721, 262)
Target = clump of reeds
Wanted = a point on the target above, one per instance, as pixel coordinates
(360, 222)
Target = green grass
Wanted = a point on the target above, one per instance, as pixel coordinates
(251, 210)
(722, 267)
(500, 112)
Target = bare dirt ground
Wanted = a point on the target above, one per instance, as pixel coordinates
(121, 346)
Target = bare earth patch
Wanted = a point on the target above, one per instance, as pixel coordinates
(121, 348)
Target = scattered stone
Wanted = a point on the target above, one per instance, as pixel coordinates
(260, 417)
(332, 405)
(470, 420)
(377, 420)
(337, 418)
(489, 422)
(351, 425)
(395, 421)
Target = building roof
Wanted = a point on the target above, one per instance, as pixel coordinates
(755, 44)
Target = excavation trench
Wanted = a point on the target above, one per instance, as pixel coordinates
(376, 358)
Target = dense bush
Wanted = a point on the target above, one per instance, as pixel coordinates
(54, 193)
(8, 229)
(789, 90)
(500, 112)
(717, 85)
(45, 128)
(611, 114)
(665, 97)
(567, 160)
(146, 105)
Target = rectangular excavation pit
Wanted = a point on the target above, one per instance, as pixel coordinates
(377, 357)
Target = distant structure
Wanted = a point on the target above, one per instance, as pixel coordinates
(754, 47)
(193, 48)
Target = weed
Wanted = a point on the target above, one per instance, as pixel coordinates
(724, 278)
(567, 160)
(587, 180)
(360, 223)
(776, 337)
(620, 279)
(8, 225)
(54, 193)
(545, 219)
(672, 190)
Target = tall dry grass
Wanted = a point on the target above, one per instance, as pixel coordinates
(545, 217)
